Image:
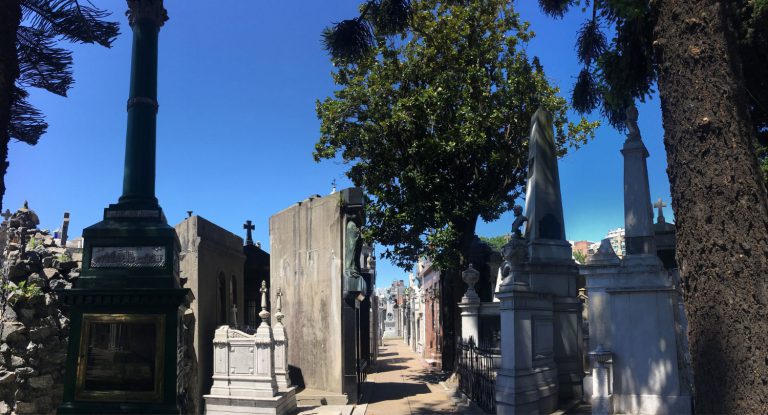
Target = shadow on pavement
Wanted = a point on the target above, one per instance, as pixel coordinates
(391, 391)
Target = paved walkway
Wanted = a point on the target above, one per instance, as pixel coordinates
(404, 385)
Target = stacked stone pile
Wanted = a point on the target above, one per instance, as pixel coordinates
(34, 328)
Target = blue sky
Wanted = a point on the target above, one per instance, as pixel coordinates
(236, 127)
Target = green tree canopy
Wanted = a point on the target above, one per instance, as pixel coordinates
(434, 122)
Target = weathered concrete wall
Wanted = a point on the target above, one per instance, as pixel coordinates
(210, 254)
(306, 242)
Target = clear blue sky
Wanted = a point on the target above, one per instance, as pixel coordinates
(238, 82)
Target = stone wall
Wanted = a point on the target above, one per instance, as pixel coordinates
(34, 330)
(306, 264)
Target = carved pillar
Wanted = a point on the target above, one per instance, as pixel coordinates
(281, 347)
(470, 307)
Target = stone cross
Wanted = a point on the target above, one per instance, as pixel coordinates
(7, 215)
(659, 205)
(248, 226)
(64, 229)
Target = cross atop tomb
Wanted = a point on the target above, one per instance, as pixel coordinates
(248, 226)
(7, 214)
(660, 205)
(333, 186)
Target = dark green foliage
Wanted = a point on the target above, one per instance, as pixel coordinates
(555, 8)
(584, 97)
(590, 43)
(495, 242)
(44, 65)
(350, 40)
(616, 74)
(435, 128)
(28, 124)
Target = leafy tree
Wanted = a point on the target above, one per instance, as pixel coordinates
(579, 257)
(709, 60)
(29, 57)
(434, 126)
(495, 242)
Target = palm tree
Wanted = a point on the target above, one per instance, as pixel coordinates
(351, 39)
(29, 57)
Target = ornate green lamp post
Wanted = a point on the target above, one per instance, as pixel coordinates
(124, 308)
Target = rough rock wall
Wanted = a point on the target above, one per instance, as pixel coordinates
(34, 329)
(34, 326)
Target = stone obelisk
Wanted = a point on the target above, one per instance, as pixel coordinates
(545, 229)
(638, 212)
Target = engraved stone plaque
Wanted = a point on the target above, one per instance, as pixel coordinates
(543, 338)
(128, 257)
(143, 213)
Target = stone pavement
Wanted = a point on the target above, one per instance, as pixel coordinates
(403, 384)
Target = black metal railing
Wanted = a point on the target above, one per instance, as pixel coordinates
(477, 373)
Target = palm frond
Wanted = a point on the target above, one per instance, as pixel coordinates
(585, 95)
(555, 8)
(590, 42)
(27, 122)
(41, 64)
(349, 39)
(391, 16)
(70, 19)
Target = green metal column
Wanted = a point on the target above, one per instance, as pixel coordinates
(140, 144)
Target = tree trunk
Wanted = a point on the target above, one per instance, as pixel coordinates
(720, 205)
(452, 288)
(10, 18)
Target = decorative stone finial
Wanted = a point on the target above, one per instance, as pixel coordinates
(279, 315)
(146, 9)
(264, 314)
(25, 207)
(470, 276)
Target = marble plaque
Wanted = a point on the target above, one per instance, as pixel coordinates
(543, 338)
(128, 257)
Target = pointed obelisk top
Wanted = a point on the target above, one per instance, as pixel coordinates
(545, 229)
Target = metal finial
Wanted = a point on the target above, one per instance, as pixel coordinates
(146, 9)
(264, 314)
(279, 315)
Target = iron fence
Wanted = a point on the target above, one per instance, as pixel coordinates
(477, 373)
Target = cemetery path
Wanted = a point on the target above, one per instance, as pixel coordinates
(403, 384)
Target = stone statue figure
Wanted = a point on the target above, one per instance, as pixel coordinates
(353, 247)
(631, 122)
(518, 222)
